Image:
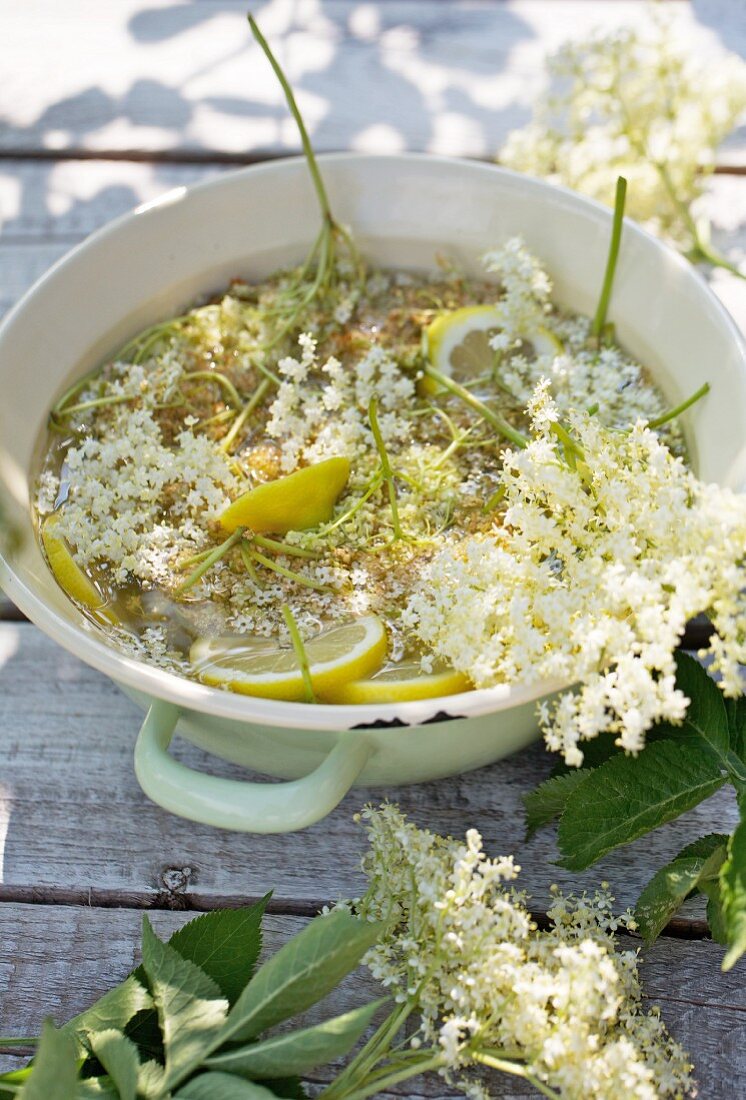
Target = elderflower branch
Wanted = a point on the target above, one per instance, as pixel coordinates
(255, 399)
(602, 309)
(298, 578)
(387, 472)
(478, 406)
(300, 653)
(518, 1070)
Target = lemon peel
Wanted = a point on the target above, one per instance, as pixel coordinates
(301, 500)
(68, 573)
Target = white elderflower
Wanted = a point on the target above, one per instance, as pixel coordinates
(561, 1008)
(609, 545)
(633, 103)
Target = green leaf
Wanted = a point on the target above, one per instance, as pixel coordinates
(596, 751)
(225, 944)
(733, 896)
(290, 1088)
(714, 910)
(151, 1078)
(301, 973)
(190, 1009)
(96, 1088)
(628, 796)
(672, 884)
(548, 800)
(222, 1086)
(298, 1051)
(706, 720)
(114, 1010)
(55, 1070)
(119, 1058)
(736, 710)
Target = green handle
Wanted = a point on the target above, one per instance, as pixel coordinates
(236, 804)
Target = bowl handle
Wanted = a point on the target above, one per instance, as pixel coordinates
(237, 804)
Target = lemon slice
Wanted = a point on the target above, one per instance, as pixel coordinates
(258, 666)
(458, 343)
(293, 503)
(70, 576)
(400, 683)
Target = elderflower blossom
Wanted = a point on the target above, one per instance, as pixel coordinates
(601, 560)
(633, 104)
(460, 946)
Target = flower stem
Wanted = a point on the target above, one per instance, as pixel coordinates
(221, 379)
(679, 409)
(388, 473)
(283, 547)
(211, 559)
(616, 236)
(243, 416)
(300, 653)
(381, 1084)
(484, 411)
(517, 1069)
(298, 578)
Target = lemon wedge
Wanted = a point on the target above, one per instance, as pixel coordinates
(301, 500)
(400, 683)
(70, 576)
(458, 343)
(258, 666)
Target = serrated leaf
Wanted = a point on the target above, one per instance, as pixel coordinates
(548, 800)
(289, 1088)
(150, 1080)
(672, 884)
(733, 896)
(628, 796)
(114, 1010)
(706, 719)
(225, 944)
(55, 1069)
(301, 973)
(94, 1088)
(714, 911)
(190, 1009)
(119, 1058)
(222, 1086)
(298, 1051)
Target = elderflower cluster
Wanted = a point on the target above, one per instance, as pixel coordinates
(135, 502)
(562, 1006)
(609, 545)
(322, 410)
(633, 104)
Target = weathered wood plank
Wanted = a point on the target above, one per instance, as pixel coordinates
(67, 741)
(451, 77)
(57, 960)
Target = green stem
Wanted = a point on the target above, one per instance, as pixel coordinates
(373, 488)
(362, 1065)
(388, 473)
(95, 403)
(381, 1084)
(494, 500)
(616, 236)
(221, 379)
(249, 564)
(298, 578)
(213, 557)
(300, 653)
(243, 416)
(473, 402)
(283, 547)
(19, 1041)
(305, 140)
(517, 1070)
(701, 247)
(679, 409)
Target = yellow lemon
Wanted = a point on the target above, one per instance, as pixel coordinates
(400, 683)
(458, 343)
(70, 576)
(258, 666)
(293, 503)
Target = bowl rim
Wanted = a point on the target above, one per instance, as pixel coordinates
(79, 638)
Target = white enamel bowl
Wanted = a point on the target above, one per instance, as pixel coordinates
(152, 263)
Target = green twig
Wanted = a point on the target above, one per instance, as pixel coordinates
(300, 653)
(679, 409)
(221, 379)
(258, 395)
(211, 559)
(616, 236)
(388, 473)
(473, 402)
(283, 547)
(298, 578)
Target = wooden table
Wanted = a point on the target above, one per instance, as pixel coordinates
(103, 107)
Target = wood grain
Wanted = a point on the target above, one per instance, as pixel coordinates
(57, 961)
(77, 828)
(185, 79)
